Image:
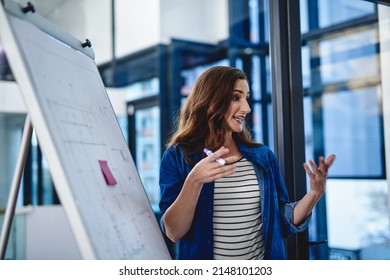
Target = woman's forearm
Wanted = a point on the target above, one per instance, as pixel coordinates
(178, 217)
(305, 206)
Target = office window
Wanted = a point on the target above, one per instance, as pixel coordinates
(142, 89)
(318, 14)
(147, 151)
(306, 75)
(358, 219)
(190, 75)
(343, 115)
(341, 72)
(332, 12)
(343, 54)
(353, 132)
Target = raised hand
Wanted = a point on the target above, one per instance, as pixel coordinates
(319, 174)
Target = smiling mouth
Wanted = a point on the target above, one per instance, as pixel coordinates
(239, 119)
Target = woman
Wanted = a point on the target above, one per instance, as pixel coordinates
(239, 210)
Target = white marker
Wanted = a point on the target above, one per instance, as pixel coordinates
(209, 153)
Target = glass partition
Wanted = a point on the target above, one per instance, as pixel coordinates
(344, 77)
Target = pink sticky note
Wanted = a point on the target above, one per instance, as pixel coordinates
(110, 180)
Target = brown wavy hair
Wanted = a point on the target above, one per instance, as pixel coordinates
(200, 122)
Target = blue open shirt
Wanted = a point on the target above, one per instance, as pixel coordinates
(277, 210)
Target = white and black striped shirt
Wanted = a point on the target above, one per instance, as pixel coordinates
(237, 222)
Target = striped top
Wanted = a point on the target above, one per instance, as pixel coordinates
(237, 221)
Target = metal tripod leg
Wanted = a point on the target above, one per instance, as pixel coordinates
(14, 191)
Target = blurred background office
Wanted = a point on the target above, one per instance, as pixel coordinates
(149, 54)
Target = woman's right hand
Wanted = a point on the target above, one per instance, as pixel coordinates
(208, 169)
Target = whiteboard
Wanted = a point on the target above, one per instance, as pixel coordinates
(93, 171)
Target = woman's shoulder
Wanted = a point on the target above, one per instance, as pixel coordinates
(173, 150)
(177, 151)
(172, 157)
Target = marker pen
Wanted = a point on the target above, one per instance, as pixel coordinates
(209, 153)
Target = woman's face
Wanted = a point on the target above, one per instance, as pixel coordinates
(239, 107)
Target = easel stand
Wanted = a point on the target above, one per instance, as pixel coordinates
(14, 191)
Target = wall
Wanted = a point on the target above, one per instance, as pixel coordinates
(137, 25)
(11, 100)
(48, 235)
(207, 20)
(41, 233)
(85, 19)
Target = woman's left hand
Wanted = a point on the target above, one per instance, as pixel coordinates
(318, 174)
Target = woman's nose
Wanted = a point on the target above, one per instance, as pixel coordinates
(245, 108)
